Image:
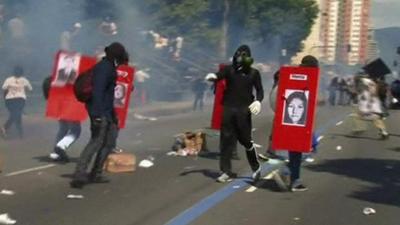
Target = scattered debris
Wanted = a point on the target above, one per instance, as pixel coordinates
(71, 196)
(253, 130)
(172, 153)
(339, 123)
(296, 218)
(146, 163)
(369, 211)
(236, 187)
(389, 167)
(141, 117)
(7, 192)
(338, 147)
(5, 219)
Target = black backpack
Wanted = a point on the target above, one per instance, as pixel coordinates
(46, 87)
(83, 86)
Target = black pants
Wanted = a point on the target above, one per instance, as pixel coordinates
(198, 100)
(236, 126)
(101, 142)
(15, 107)
(294, 165)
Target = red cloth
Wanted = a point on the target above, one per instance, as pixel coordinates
(216, 120)
(290, 133)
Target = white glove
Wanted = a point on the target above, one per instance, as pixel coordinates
(255, 107)
(211, 76)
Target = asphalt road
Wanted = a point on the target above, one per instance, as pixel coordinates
(182, 190)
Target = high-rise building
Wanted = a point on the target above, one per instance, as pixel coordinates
(352, 36)
(340, 33)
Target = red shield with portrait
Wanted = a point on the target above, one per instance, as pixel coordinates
(122, 93)
(62, 103)
(295, 109)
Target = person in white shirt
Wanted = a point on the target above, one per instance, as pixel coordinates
(14, 93)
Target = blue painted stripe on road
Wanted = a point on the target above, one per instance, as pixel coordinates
(205, 204)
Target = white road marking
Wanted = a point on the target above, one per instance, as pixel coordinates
(30, 170)
(267, 177)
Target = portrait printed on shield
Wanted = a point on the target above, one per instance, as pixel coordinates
(295, 107)
(67, 69)
(120, 93)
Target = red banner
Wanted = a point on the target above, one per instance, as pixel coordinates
(218, 109)
(295, 109)
(62, 103)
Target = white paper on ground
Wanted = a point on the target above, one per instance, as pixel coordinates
(146, 163)
(72, 196)
(5, 219)
(7, 192)
(369, 211)
(338, 147)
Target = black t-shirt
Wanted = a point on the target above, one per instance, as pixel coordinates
(239, 86)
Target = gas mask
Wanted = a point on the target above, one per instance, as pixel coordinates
(242, 59)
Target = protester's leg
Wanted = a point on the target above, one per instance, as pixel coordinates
(104, 152)
(73, 133)
(227, 140)
(62, 130)
(243, 126)
(98, 137)
(10, 105)
(196, 99)
(294, 165)
(201, 99)
(358, 124)
(382, 128)
(19, 109)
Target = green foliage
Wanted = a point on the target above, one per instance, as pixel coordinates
(200, 21)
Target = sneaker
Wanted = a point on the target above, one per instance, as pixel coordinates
(98, 180)
(62, 155)
(78, 184)
(309, 159)
(297, 187)
(224, 178)
(384, 134)
(256, 175)
(54, 156)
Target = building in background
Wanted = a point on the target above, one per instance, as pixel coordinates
(373, 50)
(353, 24)
(340, 33)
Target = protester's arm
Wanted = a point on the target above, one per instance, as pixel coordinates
(5, 85)
(28, 85)
(258, 86)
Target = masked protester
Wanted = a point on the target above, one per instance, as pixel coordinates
(239, 103)
(14, 93)
(103, 120)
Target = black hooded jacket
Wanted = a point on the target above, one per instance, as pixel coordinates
(104, 81)
(240, 83)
